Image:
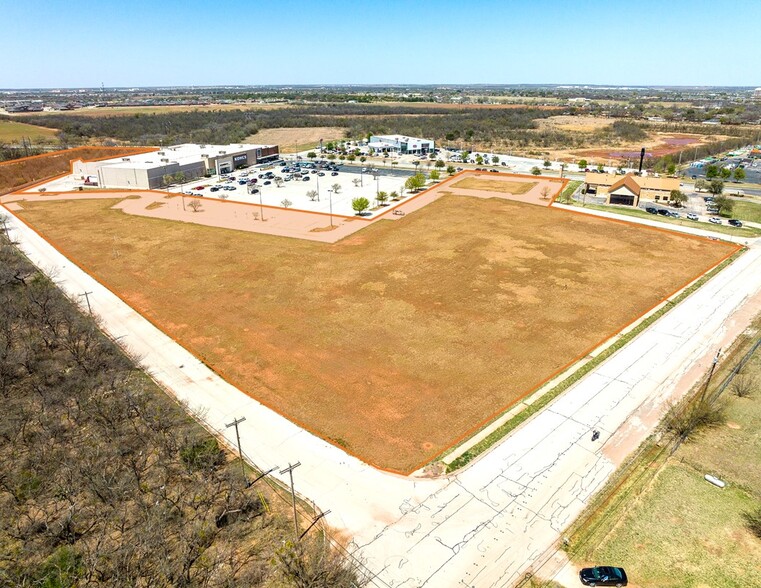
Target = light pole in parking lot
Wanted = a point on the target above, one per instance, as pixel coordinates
(317, 177)
(261, 204)
(330, 197)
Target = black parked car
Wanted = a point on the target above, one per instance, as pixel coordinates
(603, 576)
(734, 222)
(651, 210)
(663, 212)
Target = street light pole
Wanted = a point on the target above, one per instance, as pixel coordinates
(330, 196)
(261, 205)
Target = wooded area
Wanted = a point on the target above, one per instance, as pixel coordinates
(105, 480)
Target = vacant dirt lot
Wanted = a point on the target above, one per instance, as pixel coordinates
(477, 183)
(292, 140)
(399, 340)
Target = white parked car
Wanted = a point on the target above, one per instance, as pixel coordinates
(714, 220)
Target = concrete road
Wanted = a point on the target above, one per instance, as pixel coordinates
(488, 525)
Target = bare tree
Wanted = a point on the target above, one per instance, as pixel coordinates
(195, 204)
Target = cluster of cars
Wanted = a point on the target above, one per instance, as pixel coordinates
(694, 217)
(301, 171)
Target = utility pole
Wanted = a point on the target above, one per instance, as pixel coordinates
(710, 375)
(87, 299)
(314, 522)
(237, 436)
(289, 470)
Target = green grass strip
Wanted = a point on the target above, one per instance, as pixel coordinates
(548, 397)
(744, 231)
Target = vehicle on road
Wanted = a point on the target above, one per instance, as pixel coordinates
(198, 188)
(714, 220)
(603, 576)
(734, 222)
(692, 216)
(673, 214)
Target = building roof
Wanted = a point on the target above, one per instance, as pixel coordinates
(400, 139)
(628, 182)
(181, 154)
(644, 182)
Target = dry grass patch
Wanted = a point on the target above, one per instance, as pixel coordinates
(401, 338)
(292, 140)
(510, 187)
(11, 131)
(154, 205)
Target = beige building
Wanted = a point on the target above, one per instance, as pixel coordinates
(147, 170)
(628, 190)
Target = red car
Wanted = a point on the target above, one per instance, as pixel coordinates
(198, 188)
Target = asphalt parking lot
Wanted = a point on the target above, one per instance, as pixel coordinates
(310, 189)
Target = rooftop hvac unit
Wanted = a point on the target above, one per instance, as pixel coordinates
(126, 159)
(223, 152)
(165, 159)
(204, 155)
(161, 153)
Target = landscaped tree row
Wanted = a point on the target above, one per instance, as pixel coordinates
(105, 481)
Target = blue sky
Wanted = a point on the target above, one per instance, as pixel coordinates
(139, 43)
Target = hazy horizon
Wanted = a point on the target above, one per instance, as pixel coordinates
(81, 44)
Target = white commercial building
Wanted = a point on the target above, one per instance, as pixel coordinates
(148, 170)
(399, 144)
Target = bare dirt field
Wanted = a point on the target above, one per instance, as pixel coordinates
(292, 140)
(478, 183)
(401, 339)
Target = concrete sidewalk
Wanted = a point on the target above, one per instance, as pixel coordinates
(492, 522)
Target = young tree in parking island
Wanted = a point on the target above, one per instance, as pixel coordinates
(547, 164)
(712, 171)
(285, 203)
(351, 157)
(716, 187)
(440, 164)
(311, 155)
(363, 159)
(360, 205)
(582, 164)
(739, 174)
(494, 159)
(536, 171)
(336, 188)
(382, 197)
(451, 170)
(600, 167)
(725, 205)
(434, 175)
(312, 195)
(701, 184)
(168, 179)
(677, 197)
(725, 172)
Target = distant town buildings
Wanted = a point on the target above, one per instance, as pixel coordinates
(148, 170)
